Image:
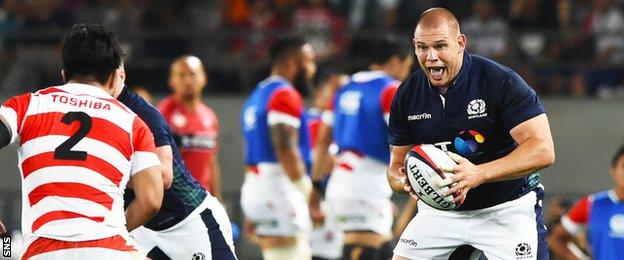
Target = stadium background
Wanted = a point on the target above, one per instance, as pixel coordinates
(570, 51)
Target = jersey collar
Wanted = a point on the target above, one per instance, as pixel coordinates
(463, 72)
(273, 78)
(366, 76)
(84, 89)
(614, 197)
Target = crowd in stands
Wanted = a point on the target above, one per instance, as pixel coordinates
(562, 47)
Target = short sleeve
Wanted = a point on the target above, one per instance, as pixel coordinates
(285, 107)
(14, 111)
(144, 154)
(399, 132)
(387, 94)
(577, 217)
(518, 102)
(327, 116)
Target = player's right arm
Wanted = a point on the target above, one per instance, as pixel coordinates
(397, 177)
(148, 190)
(400, 139)
(284, 111)
(571, 224)
(145, 177)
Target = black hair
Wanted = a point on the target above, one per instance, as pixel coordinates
(616, 157)
(387, 47)
(284, 48)
(90, 50)
(366, 50)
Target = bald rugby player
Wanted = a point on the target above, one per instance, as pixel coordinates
(494, 125)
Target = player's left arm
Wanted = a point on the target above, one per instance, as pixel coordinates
(522, 113)
(165, 155)
(215, 179)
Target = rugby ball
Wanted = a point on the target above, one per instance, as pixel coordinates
(423, 165)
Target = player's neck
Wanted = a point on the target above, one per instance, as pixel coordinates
(92, 83)
(288, 74)
(189, 104)
(619, 193)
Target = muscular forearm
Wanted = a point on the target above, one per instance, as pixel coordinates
(138, 213)
(395, 178)
(148, 191)
(215, 182)
(285, 140)
(322, 158)
(290, 159)
(529, 157)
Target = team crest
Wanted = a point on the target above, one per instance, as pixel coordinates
(476, 109)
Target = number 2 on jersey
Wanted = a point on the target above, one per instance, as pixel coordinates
(63, 151)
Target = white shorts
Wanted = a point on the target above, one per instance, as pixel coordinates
(507, 231)
(361, 215)
(271, 201)
(358, 195)
(205, 235)
(326, 242)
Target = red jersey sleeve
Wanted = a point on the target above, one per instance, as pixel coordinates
(327, 117)
(386, 98)
(285, 107)
(14, 111)
(578, 216)
(144, 154)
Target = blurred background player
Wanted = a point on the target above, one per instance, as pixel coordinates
(79, 148)
(358, 195)
(274, 193)
(191, 223)
(194, 125)
(325, 239)
(601, 215)
(486, 112)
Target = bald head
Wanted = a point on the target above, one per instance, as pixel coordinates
(187, 78)
(438, 17)
(188, 60)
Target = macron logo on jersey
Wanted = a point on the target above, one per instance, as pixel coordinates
(418, 117)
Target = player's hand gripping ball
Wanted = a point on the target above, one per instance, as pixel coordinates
(428, 172)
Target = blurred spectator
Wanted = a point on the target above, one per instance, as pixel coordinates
(36, 41)
(262, 22)
(606, 22)
(119, 16)
(531, 18)
(408, 12)
(368, 14)
(315, 21)
(488, 32)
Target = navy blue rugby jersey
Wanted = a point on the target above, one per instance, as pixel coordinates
(185, 193)
(473, 119)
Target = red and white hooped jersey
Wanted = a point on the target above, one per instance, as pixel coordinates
(77, 148)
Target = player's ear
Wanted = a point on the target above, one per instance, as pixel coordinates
(462, 41)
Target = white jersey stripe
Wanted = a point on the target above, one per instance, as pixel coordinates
(72, 174)
(124, 121)
(93, 147)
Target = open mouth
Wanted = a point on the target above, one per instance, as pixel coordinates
(436, 72)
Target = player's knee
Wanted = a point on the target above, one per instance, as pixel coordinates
(357, 252)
